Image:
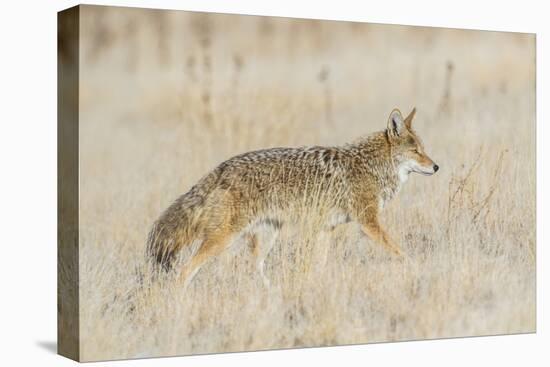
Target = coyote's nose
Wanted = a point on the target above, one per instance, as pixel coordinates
(436, 167)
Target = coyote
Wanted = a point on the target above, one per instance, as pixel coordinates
(256, 189)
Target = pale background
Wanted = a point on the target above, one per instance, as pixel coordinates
(30, 272)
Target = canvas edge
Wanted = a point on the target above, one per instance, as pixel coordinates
(68, 58)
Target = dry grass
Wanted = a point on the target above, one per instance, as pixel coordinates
(165, 96)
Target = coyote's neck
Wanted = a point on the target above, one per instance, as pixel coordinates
(376, 160)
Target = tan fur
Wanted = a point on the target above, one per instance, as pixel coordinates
(258, 187)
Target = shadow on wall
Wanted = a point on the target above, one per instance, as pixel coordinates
(48, 345)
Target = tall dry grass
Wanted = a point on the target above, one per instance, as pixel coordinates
(165, 96)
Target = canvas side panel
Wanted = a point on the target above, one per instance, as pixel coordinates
(68, 24)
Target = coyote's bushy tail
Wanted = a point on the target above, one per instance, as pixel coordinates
(179, 225)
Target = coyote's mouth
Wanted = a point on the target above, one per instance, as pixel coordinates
(413, 166)
(425, 173)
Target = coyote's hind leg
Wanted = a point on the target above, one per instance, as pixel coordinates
(212, 246)
(262, 240)
(220, 230)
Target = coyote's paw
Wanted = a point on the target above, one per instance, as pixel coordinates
(399, 254)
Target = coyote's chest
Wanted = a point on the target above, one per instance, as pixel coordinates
(391, 187)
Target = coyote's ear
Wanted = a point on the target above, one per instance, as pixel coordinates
(396, 124)
(409, 119)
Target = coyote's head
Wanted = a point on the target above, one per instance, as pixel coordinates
(406, 148)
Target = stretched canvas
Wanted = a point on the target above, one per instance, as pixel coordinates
(239, 183)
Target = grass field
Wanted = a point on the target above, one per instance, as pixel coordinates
(166, 96)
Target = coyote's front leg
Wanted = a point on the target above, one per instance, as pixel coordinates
(372, 228)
